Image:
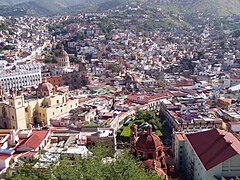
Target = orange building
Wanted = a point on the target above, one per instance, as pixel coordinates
(224, 102)
(55, 80)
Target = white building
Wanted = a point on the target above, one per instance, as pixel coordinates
(207, 155)
(20, 76)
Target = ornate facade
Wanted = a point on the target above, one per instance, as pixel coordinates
(17, 111)
(63, 59)
(149, 147)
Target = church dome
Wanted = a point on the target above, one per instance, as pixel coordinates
(149, 141)
(45, 86)
(62, 53)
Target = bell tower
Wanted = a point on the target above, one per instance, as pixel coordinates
(15, 101)
(17, 115)
(133, 137)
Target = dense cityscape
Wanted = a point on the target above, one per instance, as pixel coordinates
(139, 91)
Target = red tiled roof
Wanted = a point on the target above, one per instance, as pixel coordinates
(35, 139)
(29, 154)
(158, 96)
(4, 156)
(180, 137)
(145, 98)
(228, 100)
(214, 146)
(121, 113)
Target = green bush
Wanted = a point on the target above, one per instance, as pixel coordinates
(159, 133)
(139, 122)
(126, 131)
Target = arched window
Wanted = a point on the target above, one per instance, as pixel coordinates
(150, 156)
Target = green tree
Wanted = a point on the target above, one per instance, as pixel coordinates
(26, 172)
(8, 47)
(80, 36)
(145, 115)
(123, 167)
(106, 25)
(73, 59)
(115, 67)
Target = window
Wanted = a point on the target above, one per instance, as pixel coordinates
(150, 156)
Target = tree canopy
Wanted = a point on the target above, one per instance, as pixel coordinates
(150, 117)
(91, 168)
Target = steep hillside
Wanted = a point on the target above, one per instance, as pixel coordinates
(92, 6)
(22, 9)
(57, 5)
(215, 7)
(49, 7)
(12, 2)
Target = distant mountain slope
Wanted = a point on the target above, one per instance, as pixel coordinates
(12, 2)
(92, 6)
(57, 5)
(50, 7)
(216, 7)
(22, 9)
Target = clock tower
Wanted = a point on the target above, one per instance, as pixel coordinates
(16, 116)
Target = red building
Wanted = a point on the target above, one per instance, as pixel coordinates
(149, 147)
(55, 80)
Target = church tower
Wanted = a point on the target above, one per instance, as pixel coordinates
(63, 59)
(16, 111)
(133, 137)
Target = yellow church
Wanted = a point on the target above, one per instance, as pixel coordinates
(17, 111)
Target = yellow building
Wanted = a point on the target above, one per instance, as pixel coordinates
(16, 112)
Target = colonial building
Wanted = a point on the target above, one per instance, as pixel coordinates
(17, 111)
(63, 59)
(149, 148)
(21, 76)
(77, 78)
(207, 155)
(55, 80)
